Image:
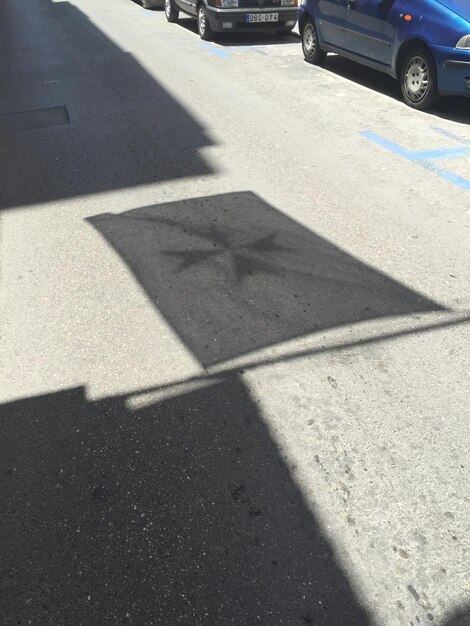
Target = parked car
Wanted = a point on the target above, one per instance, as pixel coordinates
(217, 16)
(425, 44)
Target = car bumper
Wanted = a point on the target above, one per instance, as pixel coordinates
(453, 70)
(234, 20)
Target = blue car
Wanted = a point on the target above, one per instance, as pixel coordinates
(425, 44)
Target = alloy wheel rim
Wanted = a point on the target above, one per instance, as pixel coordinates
(417, 78)
(202, 21)
(310, 42)
(167, 7)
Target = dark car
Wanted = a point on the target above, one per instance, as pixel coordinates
(228, 16)
(423, 43)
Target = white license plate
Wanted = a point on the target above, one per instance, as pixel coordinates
(262, 17)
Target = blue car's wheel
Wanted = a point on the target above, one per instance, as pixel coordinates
(310, 46)
(419, 79)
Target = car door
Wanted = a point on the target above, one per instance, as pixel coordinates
(370, 28)
(188, 6)
(331, 18)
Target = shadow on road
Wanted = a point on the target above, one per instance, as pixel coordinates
(159, 5)
(461, 617)
(184, 510)
(181, 512)
(452, 108)
(79, 116)
(232, 274)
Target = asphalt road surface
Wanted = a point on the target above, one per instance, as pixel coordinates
(235, 331)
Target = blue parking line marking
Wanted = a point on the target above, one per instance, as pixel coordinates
(445, 153)
(385, 143)
(426, 158)
(451, 135)
(224, 53)
(220, 53)
(455, 179)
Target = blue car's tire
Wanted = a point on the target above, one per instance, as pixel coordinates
(418, 79)
(310, 46)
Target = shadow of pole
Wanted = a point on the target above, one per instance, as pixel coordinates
(252, 363)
